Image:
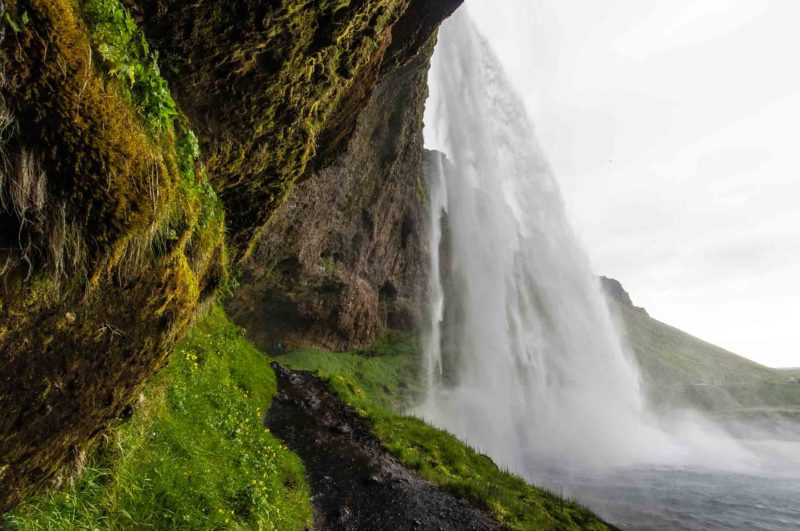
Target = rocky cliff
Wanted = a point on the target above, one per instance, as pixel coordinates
(274, 86)
(110, 235)
(614, 291)
(346, 255)
(124, 171)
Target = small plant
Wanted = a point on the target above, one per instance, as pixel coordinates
(17, 27)
(127, 55)
(329, 265)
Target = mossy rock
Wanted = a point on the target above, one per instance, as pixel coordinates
(84, 175)
(273, 87)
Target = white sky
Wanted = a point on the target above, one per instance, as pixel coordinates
(673, 127)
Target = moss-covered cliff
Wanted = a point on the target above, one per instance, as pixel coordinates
(274, 86)
(110, 237)
(111, 233)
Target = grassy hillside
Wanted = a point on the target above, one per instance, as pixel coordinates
(680, 370)
(194, 455)
(378, 382)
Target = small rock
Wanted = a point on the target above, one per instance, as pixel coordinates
(340, 428)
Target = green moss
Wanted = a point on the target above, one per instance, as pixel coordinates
(94, 139)
(422, 191)
(194, 456)
(195, 213)
(380, 382)
(113, 126)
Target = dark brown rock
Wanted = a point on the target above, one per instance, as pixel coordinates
(346, 254)
(615, 292)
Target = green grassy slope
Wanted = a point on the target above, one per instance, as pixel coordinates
(195, 454)
(680, 370)
(378, 384)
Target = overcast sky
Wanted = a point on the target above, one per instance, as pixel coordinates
(673, 127)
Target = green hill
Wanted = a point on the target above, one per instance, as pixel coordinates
(681, 371)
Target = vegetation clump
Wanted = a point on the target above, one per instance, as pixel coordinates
(126, 52)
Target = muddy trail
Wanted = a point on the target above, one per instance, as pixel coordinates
(356, 483)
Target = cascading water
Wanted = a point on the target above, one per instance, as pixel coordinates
(523, 360)
(539, 365)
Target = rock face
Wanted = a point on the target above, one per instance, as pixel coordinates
(108, 242)
(614, 291)
(274, 86)
(347, 255)
(111, 233)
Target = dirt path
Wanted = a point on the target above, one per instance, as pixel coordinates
(356, 484)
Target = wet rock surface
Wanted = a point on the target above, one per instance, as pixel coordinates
(356, 484)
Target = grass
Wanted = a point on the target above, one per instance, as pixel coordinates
(379, 384)
(195, 454)
(446, 461)
(384, 375)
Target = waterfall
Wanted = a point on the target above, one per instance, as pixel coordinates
(522, 358)
(522, 355)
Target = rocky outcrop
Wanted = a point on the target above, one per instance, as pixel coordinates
(111, 233)
(615, 292)
(274, 86)
(346, 254)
